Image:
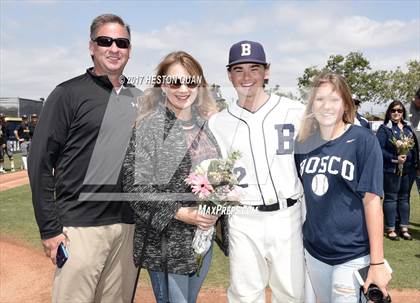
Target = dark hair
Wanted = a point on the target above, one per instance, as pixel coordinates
(106, 18)
(418, 94)
(266, 66)
(391, 106)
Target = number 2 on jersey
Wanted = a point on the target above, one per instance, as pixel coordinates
(240, 174)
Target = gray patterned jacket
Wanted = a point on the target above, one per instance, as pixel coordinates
(157, 162)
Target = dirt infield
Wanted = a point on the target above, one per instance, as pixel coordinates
(26, 274)
(11, 180)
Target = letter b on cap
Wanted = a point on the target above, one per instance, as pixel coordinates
(246, 49)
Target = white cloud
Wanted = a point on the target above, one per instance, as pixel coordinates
(152, 40)
(362, 32)
(293, 46)
(239, 26)
(309, 19)
(320, 32)
(316, 32)
(393, 61)
(295, 37)
(33, 73)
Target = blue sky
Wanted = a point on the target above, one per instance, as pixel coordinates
(43, 43)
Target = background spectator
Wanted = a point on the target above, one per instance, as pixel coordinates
(397, 187)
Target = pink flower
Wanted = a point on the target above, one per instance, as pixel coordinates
(200, 185)
(192, 178)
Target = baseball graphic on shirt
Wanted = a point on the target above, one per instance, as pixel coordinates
(320, 184)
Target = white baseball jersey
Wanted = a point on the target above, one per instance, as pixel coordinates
(266, 170)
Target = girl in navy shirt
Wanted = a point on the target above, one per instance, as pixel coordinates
(397, 188)
(340, 165)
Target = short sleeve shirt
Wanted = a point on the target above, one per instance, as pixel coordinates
(336, 175)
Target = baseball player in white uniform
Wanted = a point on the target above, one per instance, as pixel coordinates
(265, 247)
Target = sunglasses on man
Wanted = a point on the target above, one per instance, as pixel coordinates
(397, 110)
(105, 41)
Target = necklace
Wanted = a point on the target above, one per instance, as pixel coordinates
(187, 125)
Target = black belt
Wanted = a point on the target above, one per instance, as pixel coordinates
(275, 206)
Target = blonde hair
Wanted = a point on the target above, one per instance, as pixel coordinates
(205, 104)
(309, 124)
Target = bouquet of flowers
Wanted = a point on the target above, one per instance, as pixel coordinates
(216, 187)
(403, 146)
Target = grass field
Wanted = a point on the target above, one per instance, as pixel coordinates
(18, 162)
(17, 222)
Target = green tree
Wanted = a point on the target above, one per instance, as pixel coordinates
(403, 85)
(354, 67)
(376, 86)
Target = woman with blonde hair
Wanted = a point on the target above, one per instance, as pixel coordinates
(170, 138)
(340, 165)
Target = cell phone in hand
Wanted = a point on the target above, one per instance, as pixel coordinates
(362, 273)
(62, 255)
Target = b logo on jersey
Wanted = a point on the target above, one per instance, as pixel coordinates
(285, 136)
(246, 49)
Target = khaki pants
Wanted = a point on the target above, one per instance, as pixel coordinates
(100, 267)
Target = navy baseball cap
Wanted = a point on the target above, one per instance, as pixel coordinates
(246, 52)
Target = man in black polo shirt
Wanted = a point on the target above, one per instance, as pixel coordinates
(74, 170)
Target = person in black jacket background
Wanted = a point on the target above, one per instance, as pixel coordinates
(23, 136)
(74, 171)
(397, 188)
(415, 125)
(2, 142)
(359, 119)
